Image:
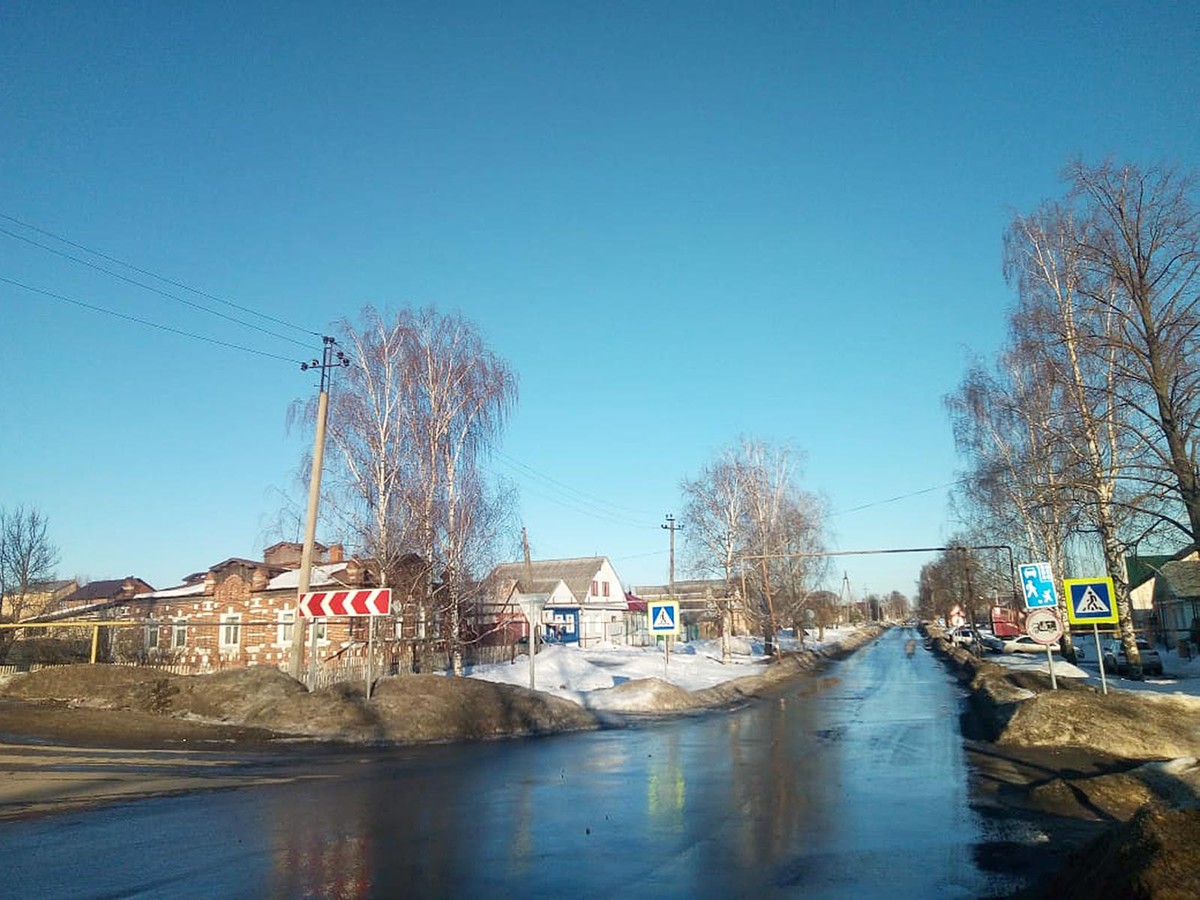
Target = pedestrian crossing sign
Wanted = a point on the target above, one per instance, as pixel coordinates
(664, 616)
(1091, 601)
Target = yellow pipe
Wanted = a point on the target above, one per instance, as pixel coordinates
(95, 641)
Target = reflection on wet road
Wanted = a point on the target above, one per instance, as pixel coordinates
(852, 784)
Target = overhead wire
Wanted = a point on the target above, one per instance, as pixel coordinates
(148, 323)
(152, 289)
(572, 504)
(896, 499)
(580, 496)
(151, 273)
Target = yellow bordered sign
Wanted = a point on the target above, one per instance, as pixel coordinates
(664, 616)
(1091, 601)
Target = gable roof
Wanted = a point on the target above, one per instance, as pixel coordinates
(1182, 578)
(1141, 569)
(577, 574)
(106, 590)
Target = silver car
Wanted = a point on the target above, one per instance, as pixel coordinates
(1113, 657)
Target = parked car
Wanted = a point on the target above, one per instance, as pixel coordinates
(1023, 643)
(1114, 657)
(991, 642)
(962, 636)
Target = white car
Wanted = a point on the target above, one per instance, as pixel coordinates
(962, 636)
(1023, 643)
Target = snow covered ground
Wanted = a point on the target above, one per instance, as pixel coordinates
(1180, 677)
(577, 674)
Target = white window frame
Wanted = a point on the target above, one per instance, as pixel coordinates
(320, 627)
(285, 627)
(179, 634)
(150, 639)
(231, 622)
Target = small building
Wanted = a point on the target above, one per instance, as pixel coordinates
(1177, 598)
(1142, 575)
(584, 602)
(701, 604)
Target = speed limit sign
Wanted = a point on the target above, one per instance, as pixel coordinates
(1044, 626)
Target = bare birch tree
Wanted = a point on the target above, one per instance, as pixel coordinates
(715, 512)
(463, 393)
(27, 557)
(418, 410)
(1139, 241)
(1074, 338)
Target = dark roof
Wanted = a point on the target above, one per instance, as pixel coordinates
(692, 589)
(576, 573)
(104, 590)
(1141, 569)
(1182, 578)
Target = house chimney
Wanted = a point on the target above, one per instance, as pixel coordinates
(337, 553)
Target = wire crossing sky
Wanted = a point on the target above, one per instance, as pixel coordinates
(679, 223)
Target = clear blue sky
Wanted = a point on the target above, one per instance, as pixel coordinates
(678, 222)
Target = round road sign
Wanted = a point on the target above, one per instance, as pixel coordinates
(1044, 626)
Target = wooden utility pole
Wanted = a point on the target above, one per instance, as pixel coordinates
(330, 359)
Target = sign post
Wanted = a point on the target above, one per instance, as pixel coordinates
(370, 602)
(1090, 602)
(1045, 627)
(664, 620)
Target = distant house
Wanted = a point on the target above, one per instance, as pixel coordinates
(1177, 597)
(582, 600)
(700, 603)
(1142, 573)
(42, 597)
(95, 596)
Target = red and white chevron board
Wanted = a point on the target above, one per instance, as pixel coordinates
(346, 603)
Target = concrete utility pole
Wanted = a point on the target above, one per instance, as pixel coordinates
(330, 359)
(671, 527)
(532, 610)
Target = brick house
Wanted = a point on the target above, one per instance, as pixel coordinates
(240, 612)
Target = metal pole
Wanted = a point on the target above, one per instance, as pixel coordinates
(95, 641)
(1100, 659)
(370, 651)
(532, 646)
(1050, 663)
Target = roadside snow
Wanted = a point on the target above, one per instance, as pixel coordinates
(1180, 678)
(579, 674)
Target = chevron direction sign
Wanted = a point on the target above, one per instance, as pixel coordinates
(375, 602)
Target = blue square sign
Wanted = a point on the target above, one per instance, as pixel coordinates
(1037, 582)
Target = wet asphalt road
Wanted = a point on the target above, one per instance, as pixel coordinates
(851, 784)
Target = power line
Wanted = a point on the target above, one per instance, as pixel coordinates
(119, 315)
(571, 504)
(163, 278)
(928, 490)
(566, 488)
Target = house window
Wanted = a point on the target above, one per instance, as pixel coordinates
(595, 589)
(231, 628)
(179, 634)
(606, 589)
(283, 631)
(320, 629)
(152, 637)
